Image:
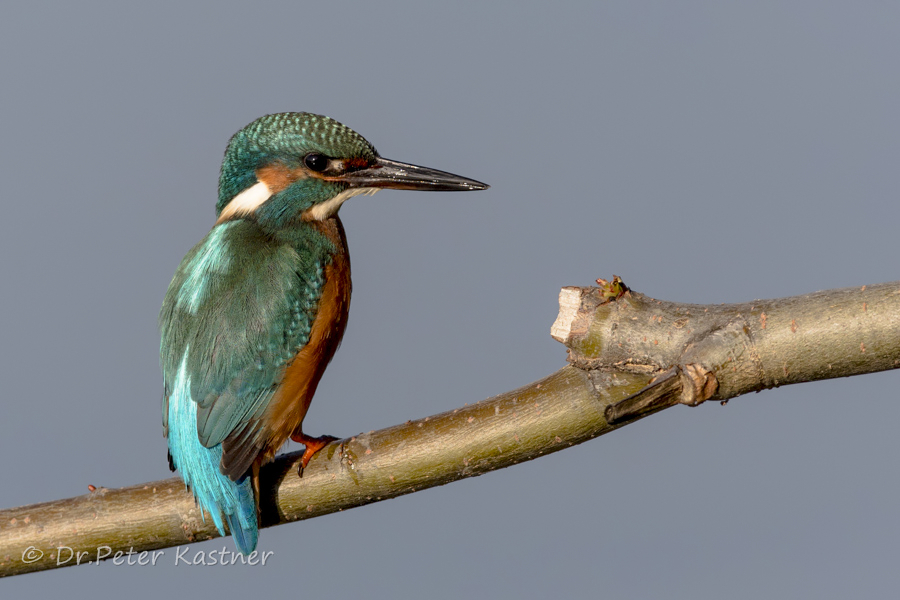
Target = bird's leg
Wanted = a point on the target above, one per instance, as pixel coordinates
(313, 445)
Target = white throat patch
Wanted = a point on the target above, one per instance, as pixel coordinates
(326, 209)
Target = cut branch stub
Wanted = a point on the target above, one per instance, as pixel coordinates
(627, 332)
(691, 385)
(727, 350)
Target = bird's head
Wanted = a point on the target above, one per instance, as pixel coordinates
(299, 165)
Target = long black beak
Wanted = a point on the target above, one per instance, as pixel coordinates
(401, 176)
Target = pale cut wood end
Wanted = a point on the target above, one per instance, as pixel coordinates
(569, 305)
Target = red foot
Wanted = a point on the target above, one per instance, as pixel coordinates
(313, 445)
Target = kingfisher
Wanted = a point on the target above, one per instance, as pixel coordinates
(257, 309)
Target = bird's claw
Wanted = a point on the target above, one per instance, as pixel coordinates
(313, 445)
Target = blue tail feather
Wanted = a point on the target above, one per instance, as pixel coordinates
(243, 525)
(225, 500)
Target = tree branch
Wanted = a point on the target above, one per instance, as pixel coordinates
(630, 356)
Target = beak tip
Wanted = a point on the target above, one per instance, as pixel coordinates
(473, 186)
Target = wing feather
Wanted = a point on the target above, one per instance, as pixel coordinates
(241, 307)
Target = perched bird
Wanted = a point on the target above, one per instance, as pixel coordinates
(257, 309)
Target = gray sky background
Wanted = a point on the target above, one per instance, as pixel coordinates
(706, 152)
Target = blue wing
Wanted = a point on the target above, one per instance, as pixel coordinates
(238, 309)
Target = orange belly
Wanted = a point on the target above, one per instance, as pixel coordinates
(287, 408)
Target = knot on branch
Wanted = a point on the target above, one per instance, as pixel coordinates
(698, 385)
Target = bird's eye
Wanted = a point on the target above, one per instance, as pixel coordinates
(316, 162)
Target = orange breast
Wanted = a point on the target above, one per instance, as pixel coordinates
(285, 413)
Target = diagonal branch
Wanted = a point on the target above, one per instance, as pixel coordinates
(630, 356)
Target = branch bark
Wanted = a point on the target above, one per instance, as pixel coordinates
(630, 356)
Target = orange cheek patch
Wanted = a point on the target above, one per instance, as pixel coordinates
(278, 177)
(356, 163)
